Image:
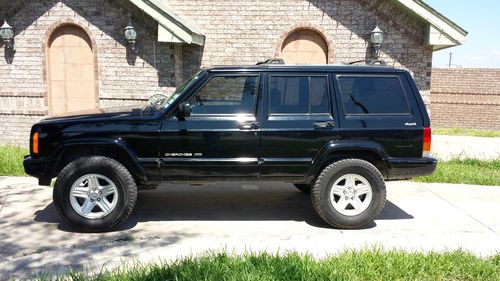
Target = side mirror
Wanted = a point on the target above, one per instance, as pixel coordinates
(183, 111)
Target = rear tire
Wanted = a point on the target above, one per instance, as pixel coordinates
(94, 194)
(349, 194)
(306, 188)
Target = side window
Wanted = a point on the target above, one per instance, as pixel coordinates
(298, 94)
(372, 95)
(226, 95)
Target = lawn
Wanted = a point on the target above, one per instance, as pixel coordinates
(350, 265)
(466, 132)
(467, 171)
(11, 160)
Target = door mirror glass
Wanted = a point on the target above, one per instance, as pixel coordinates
(183, 111)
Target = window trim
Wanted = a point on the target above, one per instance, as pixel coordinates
(328, 93)
(376, 75)
(210, 77)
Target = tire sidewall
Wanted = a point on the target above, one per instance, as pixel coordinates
(82, 167)
(378, 194)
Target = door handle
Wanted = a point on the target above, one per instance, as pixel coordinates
(250, 126)
(323, 125)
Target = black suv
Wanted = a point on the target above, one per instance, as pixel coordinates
(333, 131)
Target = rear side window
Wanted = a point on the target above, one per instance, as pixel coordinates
(372, 95)
(298, 94)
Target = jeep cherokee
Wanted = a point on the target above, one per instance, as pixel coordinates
(334, 131)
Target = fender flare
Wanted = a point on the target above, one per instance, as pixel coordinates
(94, 144)
(336, 150)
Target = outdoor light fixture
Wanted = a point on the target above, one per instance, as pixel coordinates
(7, 35)
(131, 36)
(376, 40)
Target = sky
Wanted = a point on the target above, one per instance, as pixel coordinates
(481, 18)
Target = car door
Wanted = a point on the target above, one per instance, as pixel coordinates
(221, 137)
(380, 107)
(297, 120)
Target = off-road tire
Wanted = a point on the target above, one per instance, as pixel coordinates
(306, 188)
(320, 193)
(112, 169)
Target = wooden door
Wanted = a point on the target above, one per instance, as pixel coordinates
(304, 46)
(71, 78)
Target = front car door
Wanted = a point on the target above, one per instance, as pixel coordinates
(297, 121)
(220, 140)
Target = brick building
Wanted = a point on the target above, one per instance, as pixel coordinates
(73, 55)
(466, 98)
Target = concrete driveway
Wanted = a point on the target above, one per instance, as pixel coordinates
(180, 220)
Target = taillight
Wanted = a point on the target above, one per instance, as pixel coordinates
(426, 148)
(35, 143)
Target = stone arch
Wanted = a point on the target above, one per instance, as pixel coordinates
(304, 43)
(85, 65)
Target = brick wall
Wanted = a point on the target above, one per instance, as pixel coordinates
(244, 32)
(237, 32)
(465, 98)
(123, 78)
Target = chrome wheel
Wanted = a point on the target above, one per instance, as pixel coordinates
(351, 194)
(93, 196)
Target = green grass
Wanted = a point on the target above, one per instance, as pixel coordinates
(350, 265)
(466, 132)
(11, 160)
(467, 171)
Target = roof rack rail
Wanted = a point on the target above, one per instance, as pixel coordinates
(272, 61)
(368, 62)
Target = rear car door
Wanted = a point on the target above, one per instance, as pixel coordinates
(380, 107)
(221, 137)
(297, 120)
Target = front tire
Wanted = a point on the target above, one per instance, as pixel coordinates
(94, 194)
(349, 194)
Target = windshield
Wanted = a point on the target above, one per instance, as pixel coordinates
(180, 90)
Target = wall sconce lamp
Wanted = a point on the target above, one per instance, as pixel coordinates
(7, 36)
(376, 39)
(131, 36)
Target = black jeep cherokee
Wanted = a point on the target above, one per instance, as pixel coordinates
(333, 131)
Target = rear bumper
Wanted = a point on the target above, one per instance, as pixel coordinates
(405, 168)
(38, 168)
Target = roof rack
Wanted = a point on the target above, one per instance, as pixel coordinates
(368, 62)
(272, 61)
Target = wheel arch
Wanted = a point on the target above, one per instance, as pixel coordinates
(334, 151)
(116, 149)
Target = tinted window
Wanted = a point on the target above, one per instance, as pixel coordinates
(298, 94)
(372, 95)
(226, 95)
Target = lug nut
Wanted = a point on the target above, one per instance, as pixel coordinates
(98, 199)
(91, 200)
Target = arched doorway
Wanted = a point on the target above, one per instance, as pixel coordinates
(70, 69)
(304, 46)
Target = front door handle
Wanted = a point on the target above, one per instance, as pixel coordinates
(323, 125)
(250, 126)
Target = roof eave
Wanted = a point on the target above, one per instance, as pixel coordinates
(171, 28)
(443, 33)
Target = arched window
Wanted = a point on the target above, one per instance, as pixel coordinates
(304, 46)
(70, 70)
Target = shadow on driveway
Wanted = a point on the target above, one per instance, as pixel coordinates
(224, 202)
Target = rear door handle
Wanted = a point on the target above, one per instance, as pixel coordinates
(250, 126)
(323, 125)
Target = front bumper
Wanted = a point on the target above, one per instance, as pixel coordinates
(38, 168)
(405, 168)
